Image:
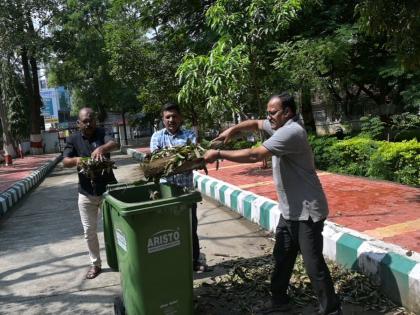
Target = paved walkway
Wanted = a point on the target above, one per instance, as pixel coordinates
(381, 209)
(21, 169)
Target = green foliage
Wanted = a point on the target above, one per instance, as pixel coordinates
(220, 56)
(243, 144)
(217, 80)
(399, 22)
(405, 126)
(372, 127)
(350, 156)
(321, 147)
(397, 161)
(308, 59)
(83, 63)
(405, 121)
(394, 161)
(16, 105)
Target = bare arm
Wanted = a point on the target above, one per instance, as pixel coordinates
(247, 125)
(251, 155)
(71, 162)
(99, 152)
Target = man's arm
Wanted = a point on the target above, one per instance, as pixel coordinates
(247, 125)
(154, 142)
(99, 152)
(71, 161)
(70, 154)
(252, 155)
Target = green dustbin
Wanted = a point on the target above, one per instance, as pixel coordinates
(111, 254)
(153, 246)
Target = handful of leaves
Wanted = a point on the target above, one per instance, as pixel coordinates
(175, 160)
(93, 168)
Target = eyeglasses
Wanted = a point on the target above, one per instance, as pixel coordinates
(86, 122)
(272, 114)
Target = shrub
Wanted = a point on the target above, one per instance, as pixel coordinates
(322, 147)
(396, 161)
(242, 144)
(351, 156)
(372, 127)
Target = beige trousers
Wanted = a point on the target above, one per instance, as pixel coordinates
(89, 215)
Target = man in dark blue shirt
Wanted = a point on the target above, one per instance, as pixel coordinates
(92, 142)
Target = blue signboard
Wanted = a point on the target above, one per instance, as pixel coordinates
(47, 108)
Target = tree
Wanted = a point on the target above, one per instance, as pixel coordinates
(248, 32)
(147, 41)
(81, 62)
(213, 85)
(396, 21)
(22, 38)
(5, 81)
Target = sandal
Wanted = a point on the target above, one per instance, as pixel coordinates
(93, 272)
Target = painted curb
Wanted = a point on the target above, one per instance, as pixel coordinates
(11, 196)
(386, 264)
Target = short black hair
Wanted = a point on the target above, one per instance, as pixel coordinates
(287, 101)
(170, 106)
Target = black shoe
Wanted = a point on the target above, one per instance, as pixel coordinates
(200, 267)
(272, 307)
(336, 312)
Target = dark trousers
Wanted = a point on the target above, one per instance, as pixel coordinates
(195, 242)
(306, 237)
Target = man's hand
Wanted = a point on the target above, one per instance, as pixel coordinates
(98, 154)
(211, 155)
(226, 135)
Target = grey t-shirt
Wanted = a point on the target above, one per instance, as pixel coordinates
(298, 187)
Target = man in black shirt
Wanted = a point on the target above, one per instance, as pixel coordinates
(92, 142)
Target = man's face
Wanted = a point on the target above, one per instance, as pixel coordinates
(172, 120)
(276, 115)
(87, 123)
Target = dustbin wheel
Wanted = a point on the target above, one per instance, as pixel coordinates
(119, 308)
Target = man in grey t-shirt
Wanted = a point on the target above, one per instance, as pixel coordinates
(302, 200)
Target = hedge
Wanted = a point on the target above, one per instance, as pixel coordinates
(394, 161)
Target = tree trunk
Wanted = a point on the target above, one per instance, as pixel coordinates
(124, 128)
(27, 75)
(36, 138)
(8, 148)
(307, 114)
(255, 85)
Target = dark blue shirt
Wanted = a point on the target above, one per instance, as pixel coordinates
(77, 145)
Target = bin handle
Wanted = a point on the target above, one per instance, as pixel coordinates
(112, 187)
(130, 213)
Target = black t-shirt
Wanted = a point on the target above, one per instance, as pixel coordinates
(77, 145)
